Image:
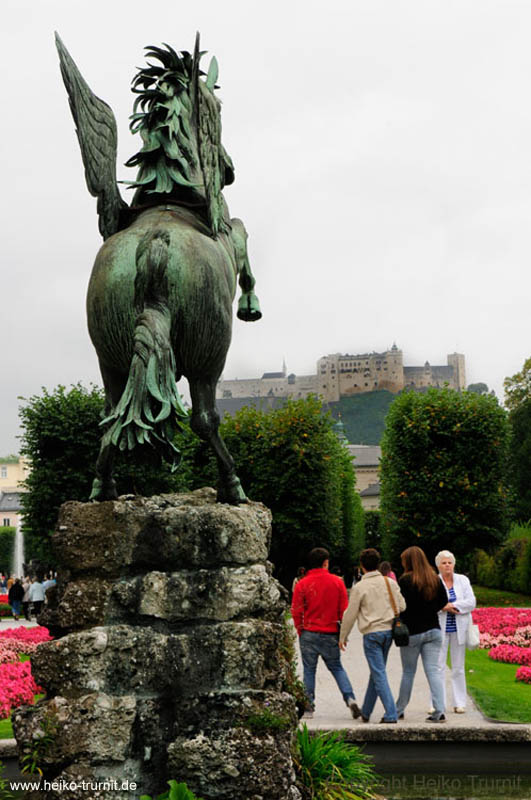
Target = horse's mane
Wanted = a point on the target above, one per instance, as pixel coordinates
(178, 118)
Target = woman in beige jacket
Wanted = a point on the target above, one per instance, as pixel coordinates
(370, 605)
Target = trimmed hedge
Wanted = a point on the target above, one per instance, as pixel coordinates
(507, 568)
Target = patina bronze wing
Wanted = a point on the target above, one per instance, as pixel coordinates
(96, 132)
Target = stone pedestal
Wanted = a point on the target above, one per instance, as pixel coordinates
(167, 663)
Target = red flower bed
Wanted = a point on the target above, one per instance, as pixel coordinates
(17, 686)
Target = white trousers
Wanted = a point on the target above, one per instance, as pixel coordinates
(457, 661)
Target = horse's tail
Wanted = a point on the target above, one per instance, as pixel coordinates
(150, 408)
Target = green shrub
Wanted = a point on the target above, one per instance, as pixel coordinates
(328, 768)
(520, 530)
(483, 570)
(5, 610)
(177, 791)
(444, 456)
(373, 529)
(508, 568)
(7, 543)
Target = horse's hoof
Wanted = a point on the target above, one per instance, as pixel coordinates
(249, 307)
(231, 493)
(103, 491)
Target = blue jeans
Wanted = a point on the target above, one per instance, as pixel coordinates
(326, 645)
(376, 648)
(15, 607)
(428, 646)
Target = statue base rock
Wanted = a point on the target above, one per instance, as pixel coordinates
(168, 660)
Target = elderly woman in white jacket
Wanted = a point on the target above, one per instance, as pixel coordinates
(454, 620)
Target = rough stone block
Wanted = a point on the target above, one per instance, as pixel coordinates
(234, 764)
(120, 659)
(255, 710)
(77, 604)
(117, 659)
(92, 729)
(177, 530)
(217, 594)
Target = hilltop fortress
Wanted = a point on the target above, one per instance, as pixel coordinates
(343, 375)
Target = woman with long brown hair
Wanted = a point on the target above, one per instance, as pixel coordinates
(421, 588)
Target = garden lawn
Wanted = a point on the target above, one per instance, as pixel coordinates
(495, 690)
(498, 597)
(6, 729)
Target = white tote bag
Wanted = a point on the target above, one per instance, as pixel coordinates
(472, 635)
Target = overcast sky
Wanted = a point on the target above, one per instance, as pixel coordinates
(383, 171)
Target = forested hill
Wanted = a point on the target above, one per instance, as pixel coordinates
(363, 415)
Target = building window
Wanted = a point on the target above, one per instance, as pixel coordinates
(7, 522)
(3, 472)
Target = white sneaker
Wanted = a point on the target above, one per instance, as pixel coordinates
(459, 710)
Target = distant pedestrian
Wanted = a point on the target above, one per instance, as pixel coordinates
(387, 571)
(319, 601)
(50, 581)
(26, 584)
(337, 571)
(36, 596)
(356, 576)
(301, 572)
(370, 605)
(15, 595)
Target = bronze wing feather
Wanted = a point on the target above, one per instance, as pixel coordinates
(96, 132)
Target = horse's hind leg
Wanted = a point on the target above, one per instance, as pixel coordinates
(205, 423)
(103, 485)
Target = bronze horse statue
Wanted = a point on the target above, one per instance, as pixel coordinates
(159, 302)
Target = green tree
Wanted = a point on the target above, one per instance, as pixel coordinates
(520, 460)
(292, 461)
(60, 439)
(442, 473)
(478, 388)
(518, 387)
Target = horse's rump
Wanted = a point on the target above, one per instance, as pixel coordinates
(201, 282)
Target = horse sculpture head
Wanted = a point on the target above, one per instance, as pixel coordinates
(178, 117)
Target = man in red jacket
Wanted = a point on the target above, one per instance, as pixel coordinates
(319, 600)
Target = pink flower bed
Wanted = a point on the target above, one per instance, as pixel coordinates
(15, 641)
(503, 626)
(34, 635)
(523, 674)
(506, 632)
(511, 654)
(17, 686)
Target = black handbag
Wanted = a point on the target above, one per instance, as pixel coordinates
(399, 629)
